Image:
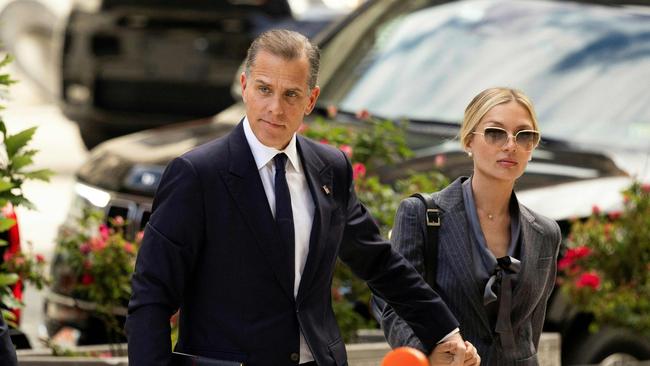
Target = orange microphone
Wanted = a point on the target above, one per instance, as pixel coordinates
(405, 356)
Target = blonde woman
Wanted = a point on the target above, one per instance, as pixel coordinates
(496, 261)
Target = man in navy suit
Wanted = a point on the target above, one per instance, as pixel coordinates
(246, 229)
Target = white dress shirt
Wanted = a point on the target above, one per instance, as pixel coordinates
(302, 204)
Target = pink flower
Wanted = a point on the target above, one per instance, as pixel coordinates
(118, 221)
(85, 248)
(87, 279)
(129, 248)
(589, 279)
(332, 111)
(139, 236)
(595, 210)
(363, 115)
(40, 258)
(440, 160)
(97, 244)
(103, 231)
(7, 256)
(645, 188)
(347, 149)
(615, 215)
(358, 170)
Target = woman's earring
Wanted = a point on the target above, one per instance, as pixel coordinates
(469, 153)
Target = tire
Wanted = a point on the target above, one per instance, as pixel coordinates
(610, 346)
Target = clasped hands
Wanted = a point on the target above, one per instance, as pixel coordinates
(455, 351)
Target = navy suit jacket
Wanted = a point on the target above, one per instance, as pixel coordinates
(210, 249)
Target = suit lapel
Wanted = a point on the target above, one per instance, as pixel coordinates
(245, 186)
(529, 289)
(458, 253)
(319, 175)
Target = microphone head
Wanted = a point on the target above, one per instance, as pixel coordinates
(405, 356)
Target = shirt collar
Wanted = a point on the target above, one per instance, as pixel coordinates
(263, 154)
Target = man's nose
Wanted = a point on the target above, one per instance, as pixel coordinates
(275, 105)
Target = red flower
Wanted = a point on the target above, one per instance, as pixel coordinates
(577, 252)
(363, 115)
(139, 236)
(40, 258)
(595, 210)
(645, 188)
(615, 215)
(87, 279)
(589, 279)
(97, 244)
(347, 149)
(324, 141)
(358, 170)
(565, 263)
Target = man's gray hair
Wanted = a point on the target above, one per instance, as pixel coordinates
(288, 45)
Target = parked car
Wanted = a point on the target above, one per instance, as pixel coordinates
(586, 66)
(129, 65)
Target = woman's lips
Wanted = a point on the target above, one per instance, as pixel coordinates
(507, 163)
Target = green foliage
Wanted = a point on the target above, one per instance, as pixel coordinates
(606, 270)
(101, 261)
(15, 159)
(372, 146)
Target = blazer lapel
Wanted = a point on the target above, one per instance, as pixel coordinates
(244, 183)
(320, 179)
(458, 253)
(529, 289)
(458, 249)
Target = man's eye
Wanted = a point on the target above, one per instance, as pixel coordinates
(264, 89)
(291, 94)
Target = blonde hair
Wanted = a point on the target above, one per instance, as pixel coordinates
(485, 101)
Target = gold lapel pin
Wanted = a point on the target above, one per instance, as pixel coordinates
(326, 189)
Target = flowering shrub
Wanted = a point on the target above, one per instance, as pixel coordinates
(372, 146)
(100, 260)
(15, 161)
(606, 270)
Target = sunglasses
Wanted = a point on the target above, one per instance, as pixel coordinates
(525, 139)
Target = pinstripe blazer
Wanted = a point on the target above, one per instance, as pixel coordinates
(456, 284)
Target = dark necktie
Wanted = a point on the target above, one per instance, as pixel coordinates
(283, 212)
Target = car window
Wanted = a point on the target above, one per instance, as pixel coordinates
(586, 67)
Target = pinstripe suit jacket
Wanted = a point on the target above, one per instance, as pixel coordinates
(456, 284)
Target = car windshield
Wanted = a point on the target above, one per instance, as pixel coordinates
(586, 67)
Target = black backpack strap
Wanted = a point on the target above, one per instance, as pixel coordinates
(432, 222)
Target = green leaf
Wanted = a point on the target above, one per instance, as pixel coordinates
(6, 224)
(5, 186)
(7, 59)
(42, 174)
(3, 243)
(8, 279)
(3, 128)
(10, 301)
(16, 142)
(20, 161)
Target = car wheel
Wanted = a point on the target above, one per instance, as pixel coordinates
(610, 347)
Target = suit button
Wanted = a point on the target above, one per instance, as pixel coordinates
(295, 357)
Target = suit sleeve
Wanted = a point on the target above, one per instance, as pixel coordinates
(407, 239)
(539, 313)
(7, 350)
(171, 240)
(390, 276)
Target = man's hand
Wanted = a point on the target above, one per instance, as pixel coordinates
(450, 352)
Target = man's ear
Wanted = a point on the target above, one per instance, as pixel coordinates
(313, 96)
(242, 81)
